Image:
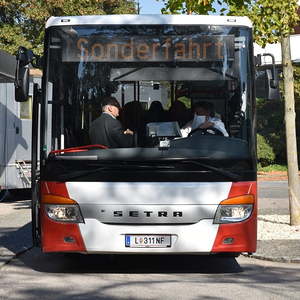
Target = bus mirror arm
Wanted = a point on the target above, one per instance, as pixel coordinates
(258, 63)
(273, 79)
(267, 84)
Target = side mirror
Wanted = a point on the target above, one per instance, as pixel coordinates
(24, 58)
(267, 85)
(266, 79)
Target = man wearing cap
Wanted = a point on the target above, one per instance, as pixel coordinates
(107, 130)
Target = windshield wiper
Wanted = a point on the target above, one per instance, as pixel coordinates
(112, 167)
(228, 174)
(141, 166)
(76, 174)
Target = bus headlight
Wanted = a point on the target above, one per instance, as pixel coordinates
(233, 213)
(64, 213)
(235, 209)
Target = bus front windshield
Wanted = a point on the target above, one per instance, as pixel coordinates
(184, 91)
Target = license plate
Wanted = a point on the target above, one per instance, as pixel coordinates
(148, 241)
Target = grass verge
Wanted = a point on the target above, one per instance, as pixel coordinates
(272, 168)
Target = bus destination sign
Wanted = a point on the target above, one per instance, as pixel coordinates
(145, 49)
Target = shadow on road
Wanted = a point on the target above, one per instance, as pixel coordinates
(15, 195)
(16, 240)
(128, 264)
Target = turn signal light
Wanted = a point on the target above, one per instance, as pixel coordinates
(245, 199)
(54, 199)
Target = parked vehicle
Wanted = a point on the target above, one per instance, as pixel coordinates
(167, 193)
(15, 132)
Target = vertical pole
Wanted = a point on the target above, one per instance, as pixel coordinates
(290, 127)
(123, 94)
(138, 7)
(172, 92)
(34, 164)
(62, 126)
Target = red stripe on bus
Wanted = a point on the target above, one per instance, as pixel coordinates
(243, 188)
(54, 188)
(244, 234)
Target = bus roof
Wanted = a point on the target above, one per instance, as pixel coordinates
(149, 20)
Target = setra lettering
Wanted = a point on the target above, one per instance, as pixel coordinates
(148, 214)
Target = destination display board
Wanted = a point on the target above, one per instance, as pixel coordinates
(101, 48)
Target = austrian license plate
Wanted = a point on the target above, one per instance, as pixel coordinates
(148, 241)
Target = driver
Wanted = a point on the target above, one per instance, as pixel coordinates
(204, 118)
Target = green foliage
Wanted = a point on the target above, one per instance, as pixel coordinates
(273, 168)
(297, 81)
(271, 19)
(22, 22)
(265, 153)
(188, 6)
(270, 125)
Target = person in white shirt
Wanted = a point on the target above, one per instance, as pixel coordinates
(204, 119)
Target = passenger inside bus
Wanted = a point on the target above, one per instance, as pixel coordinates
(204, 120)
(178, 112)
(156, 113)
(106, 130)
(132, 116)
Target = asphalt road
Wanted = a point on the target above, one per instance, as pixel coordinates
(34, 275)
(273, 197)
(56, 276)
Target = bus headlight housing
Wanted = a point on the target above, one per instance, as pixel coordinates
(64, 213)
(232, 213)
(234, 210)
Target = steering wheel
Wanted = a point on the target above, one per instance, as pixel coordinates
(206, 131)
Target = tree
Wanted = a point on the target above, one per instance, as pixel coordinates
(22, 22)
(188, 6)
(273, 22)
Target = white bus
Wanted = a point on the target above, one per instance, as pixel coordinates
(168, 193)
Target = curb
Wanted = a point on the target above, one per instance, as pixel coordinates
(282, 259)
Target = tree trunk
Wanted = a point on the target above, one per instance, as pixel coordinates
(290, 128)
